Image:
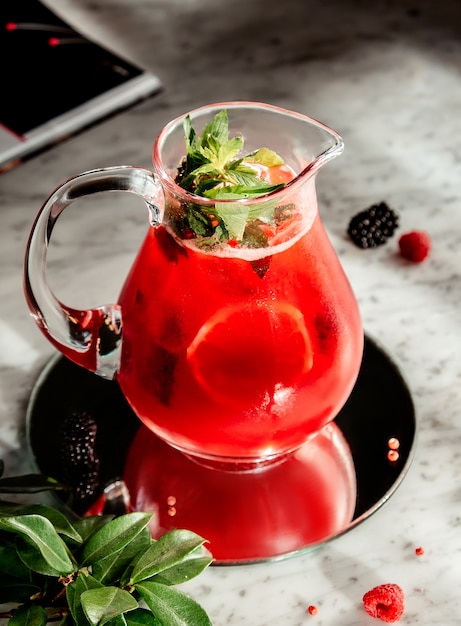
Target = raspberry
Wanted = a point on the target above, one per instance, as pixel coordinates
(415, 246)
(373, 227)
(385, 602)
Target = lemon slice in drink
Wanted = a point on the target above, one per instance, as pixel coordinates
(242, 354)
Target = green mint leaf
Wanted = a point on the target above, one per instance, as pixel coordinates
(246, 177)
(189, 133)
(254, 236)
(227, 151)
(190, 163)
(103, 604)
(114, 536)
(266, 157)
(171, 606)
(209, 243)
(29, 615)
(263, 211)
(165, 553)
(234, 216)
(239, 192)
(198, 222)
(203, 184)
(217, 129)
(211, 152)
(43, 550)
(207, 169)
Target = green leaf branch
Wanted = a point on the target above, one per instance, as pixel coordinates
(96, 571)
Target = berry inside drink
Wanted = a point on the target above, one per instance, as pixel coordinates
(240, 354)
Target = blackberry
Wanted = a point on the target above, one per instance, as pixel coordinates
(85, 488)
(373, 226)
(79, 459)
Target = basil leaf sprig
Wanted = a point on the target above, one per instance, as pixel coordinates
(212, 169)
(97, 571)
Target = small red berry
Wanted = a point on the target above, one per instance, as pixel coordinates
(385, 602)
(419, 551)
(415, 246)
(312, 609)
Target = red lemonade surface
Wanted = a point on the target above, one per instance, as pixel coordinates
(224, 357)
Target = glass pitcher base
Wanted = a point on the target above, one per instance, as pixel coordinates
(246, 516)
(240, 466)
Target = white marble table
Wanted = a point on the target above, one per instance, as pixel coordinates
(387, 77)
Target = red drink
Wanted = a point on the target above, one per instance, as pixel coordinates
(240, 358)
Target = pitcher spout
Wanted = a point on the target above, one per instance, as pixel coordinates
(316, 145)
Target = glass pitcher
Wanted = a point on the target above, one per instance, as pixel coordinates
(236, 337)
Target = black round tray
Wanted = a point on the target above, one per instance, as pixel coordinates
(379, 408)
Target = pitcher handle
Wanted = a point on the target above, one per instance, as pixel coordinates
(91, 338)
